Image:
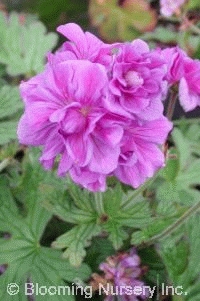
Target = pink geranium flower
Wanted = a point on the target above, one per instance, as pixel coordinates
(64, 110)
(137, 80)
(184, 71)
(174, 57)
(81, 111)
(189, 89)
(83, 45)
(169, 7)
(140, 155)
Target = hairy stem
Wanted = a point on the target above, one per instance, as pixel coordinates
(172, 104)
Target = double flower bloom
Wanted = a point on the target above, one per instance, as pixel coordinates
(99, 107)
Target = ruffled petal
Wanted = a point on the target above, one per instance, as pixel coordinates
(86, 81)
(105, 158)
(188, 99)
(89, 180)
(74, 33)
(79, 149)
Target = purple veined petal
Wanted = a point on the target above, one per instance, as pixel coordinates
(153, 111)
(94, 115)
(149, 156)
(74, 122)
(129, 175)
(188, 100)
(43, 89)
(65, 164)
(86, 81)
(60, 114)
(108, 131)
(76, 35)
(152, 86)
(147, 131)
(26, 87)
(79, 148)
(134, 104)
(105, 158)
(86, 45)
(73, 126)
(94, 45)
(54, 146)
(94, 85)
(149, 160)
(114, 87)
(33, 135)
(113, 105)
(174, 58)
(34, 127)
(38, 112)
(89, 180)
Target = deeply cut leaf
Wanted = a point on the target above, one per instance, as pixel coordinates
(24, 46)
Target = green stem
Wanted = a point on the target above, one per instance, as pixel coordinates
(175, 225)
(171, 105)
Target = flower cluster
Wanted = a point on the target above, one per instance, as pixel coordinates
(169, 7)
(121, 277)
(99, 108)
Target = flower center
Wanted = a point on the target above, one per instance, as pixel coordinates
(85, 111)
(133, 79)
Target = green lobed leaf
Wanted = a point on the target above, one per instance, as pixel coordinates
(76, 240)
(26, 258)
(181, 174)
(10, 106)
(24, 46)
(8, 131)
(93, 214)
(10, 102)
(182, 259)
